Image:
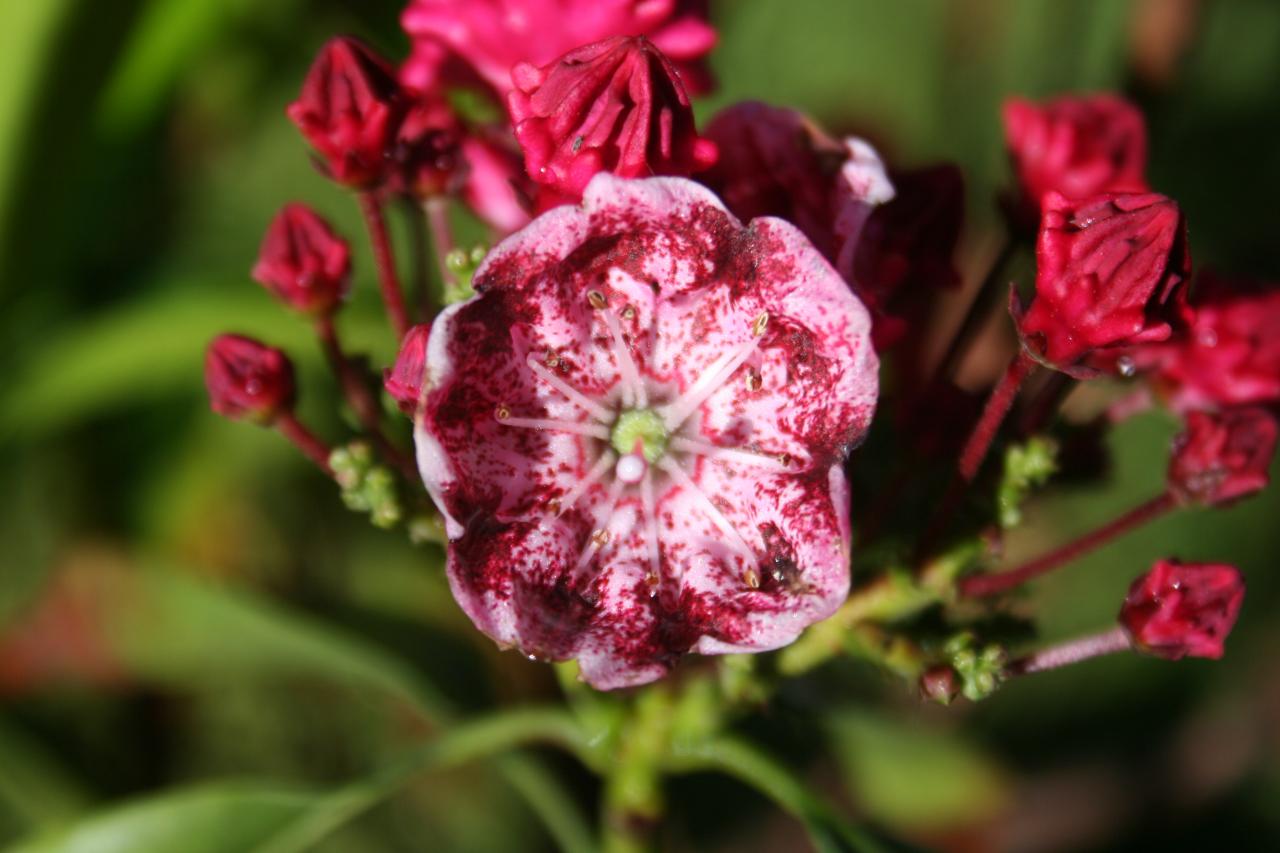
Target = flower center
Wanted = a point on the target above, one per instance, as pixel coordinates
(642, 426)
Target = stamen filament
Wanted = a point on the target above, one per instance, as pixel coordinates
(633, 388)
(650, 509)
(717, 518)
(712, 379)
(603, 464)
(589, 429)
(595, 545)
(727, 454)
(575, 396)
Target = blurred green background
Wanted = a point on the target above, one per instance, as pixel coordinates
(191, 618)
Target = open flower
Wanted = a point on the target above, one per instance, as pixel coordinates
(636, 431)
(615, 105)
(1183, 609)
(493, 36)
(1110, 274)
(1223, 457)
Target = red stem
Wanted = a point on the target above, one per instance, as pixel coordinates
(305, 440)
(1072, 651)
(1046, 403)
(441, 236)
(361, 400)
(998, 405)
(978, 586)
(388, 279)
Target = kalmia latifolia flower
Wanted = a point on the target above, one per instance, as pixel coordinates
(247, 379)
(1229, 356)
(303, 262)
(1183, 609)
(1078, 146)
(1109, 275)
(495, 186)
(636, 432)
(775, 161)
(404, 380)
(349, 110)
(493, 36)
(1223, 457)
(616, 105)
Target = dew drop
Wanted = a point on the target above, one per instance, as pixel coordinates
(1125, 365)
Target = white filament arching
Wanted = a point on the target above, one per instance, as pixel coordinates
(589, 550)
(593, 430)
(726, 454)
(635, 394)
(575, 396)
(717, 518)
(650, 508)
(603, 464)
(712, 379)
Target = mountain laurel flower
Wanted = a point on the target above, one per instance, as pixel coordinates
(495, 186)
(775, 161)
(1223, 457)
(349, 110)
(1229, 356)
(493, 36)
(427, 153)
(404, 381)
(248, 380)
(636, 432)
(613, 106)
(1077, 146)
(1109, 275)
(1183, 609)
(303, 262)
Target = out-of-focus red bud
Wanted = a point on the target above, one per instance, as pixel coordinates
(1078, 146)
(427, 152)
(1223, 457)
(247, 379)
(617, 105)
(1183, 609)
(303, 262)
(405, 380)
(495, 185)
(940, 684)
(349, 110)
(1110, 274)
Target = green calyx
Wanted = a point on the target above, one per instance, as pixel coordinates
(644, 426)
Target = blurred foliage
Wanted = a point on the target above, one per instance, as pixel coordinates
(200, 608)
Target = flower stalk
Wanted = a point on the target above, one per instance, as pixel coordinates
(1072, 651)
(305, 440)
(388, 279)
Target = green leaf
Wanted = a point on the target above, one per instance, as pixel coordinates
(225, 818)
(165, 626)
(32, 783)
(914, 778)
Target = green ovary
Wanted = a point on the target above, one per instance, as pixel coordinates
(643, 425)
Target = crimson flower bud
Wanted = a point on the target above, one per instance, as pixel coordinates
(247, 379)
(1079, 146)
(1221, 458)
(303, 262)
(1229, 356)
(940, 684)
(1183, 609)
(405, 380)
(1110, 273)
(427, 153)
(349, 110)
(617, 105)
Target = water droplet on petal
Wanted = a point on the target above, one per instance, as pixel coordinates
(1125, 365)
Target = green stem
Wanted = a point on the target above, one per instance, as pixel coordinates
(465, 743)
(744, 762)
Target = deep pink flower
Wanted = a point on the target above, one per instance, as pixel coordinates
(1220, 458)
(303, 262)
(427, 157)
(615, 105)
(495, 186)
(247, 379)
(636, 432)
(1179, 609)
(349, 110)
(493, 36)
(1229, 356)
(1078, 146)
(907, 250)
(404, 381)
(1110, 273)
(777, 162)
